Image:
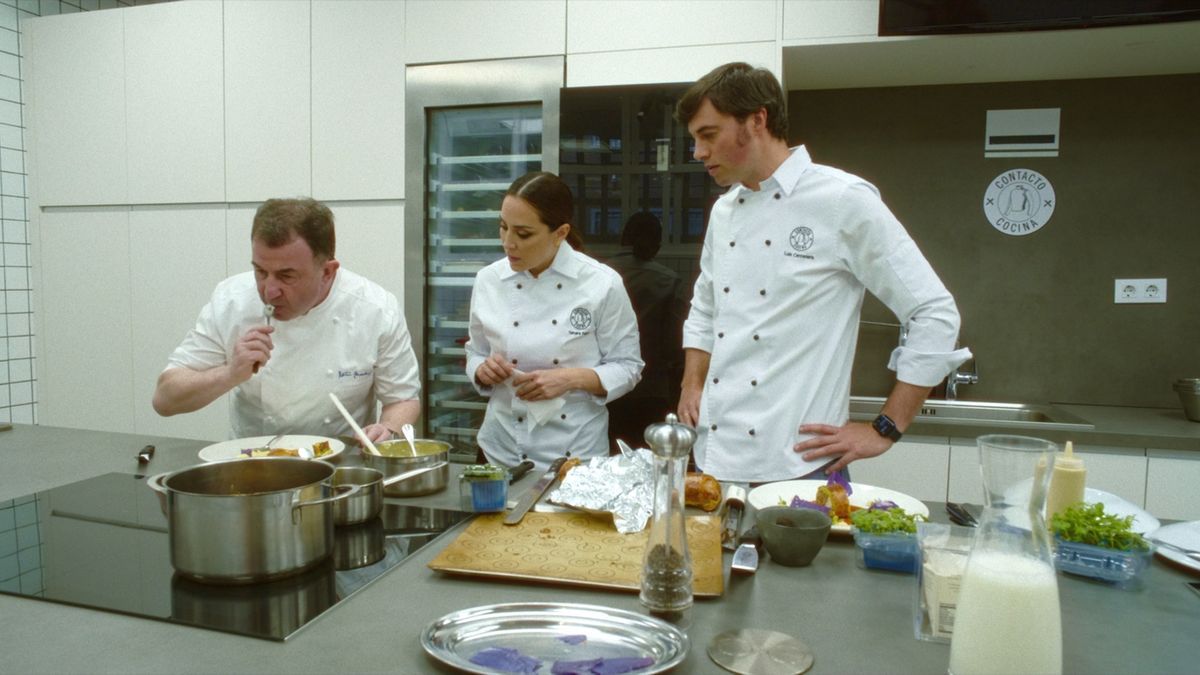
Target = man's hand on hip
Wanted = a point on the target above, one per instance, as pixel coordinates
(853, 441)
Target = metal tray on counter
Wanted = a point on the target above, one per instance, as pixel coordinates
(553, 632)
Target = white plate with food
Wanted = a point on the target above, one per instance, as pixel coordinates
(1186, 535)
(861, 496)
(280, 446)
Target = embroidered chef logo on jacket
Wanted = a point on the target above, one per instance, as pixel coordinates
(355, 374)
(801, 239)
(581, 320)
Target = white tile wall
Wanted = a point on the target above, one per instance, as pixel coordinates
(18, 367)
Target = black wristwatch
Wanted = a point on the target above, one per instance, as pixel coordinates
(886, 427)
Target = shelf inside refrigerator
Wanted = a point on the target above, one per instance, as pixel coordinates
(438, 159)
(468, 186)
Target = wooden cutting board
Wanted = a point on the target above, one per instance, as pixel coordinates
(577, 549)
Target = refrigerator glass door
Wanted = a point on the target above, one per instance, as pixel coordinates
(473, 154)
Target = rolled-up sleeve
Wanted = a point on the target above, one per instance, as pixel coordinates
(887, 261)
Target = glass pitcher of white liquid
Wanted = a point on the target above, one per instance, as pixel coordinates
(1008, 616)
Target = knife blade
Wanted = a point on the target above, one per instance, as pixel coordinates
(731, 525)
(534, 493)
(515, 473)
(745, 558)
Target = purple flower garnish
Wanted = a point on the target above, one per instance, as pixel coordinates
(506, 660)
(573, 639)
(839, 478)
(882, 505)
(798, 503)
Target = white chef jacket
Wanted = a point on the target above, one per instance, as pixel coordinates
(575, 314)
(354, 343)
(777, 305)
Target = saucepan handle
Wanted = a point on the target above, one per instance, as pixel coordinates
(155, 482)
(343, 492)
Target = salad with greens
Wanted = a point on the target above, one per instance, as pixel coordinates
(1085, 523)
(885, 517)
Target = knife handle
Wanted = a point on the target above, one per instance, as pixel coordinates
(515, 473)
(751, 536)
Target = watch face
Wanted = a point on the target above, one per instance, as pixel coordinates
(886, 427)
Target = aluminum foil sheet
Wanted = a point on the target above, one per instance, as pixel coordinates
(622, 485)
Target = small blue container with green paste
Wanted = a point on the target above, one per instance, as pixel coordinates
(484, 488)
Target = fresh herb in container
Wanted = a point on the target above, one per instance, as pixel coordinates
(1092, 543)
(886, 537)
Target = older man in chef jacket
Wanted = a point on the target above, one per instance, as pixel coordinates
(283, 336)
(790, 249)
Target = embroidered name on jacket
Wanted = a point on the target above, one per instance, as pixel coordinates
(801, 239)
(581, 321)
(342, 374)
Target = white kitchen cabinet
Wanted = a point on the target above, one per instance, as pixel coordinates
(469, 30)
(358, 99)
(174, 103)
(239, 218)
(268, 96)
(165, 304)
(918, 466)
(85, 360)
(605, 26)
(1120, 471)
(667, 64)
(1173, 483)
(74, 87)
(966, 479)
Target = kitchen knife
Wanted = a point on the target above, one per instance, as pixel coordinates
(735, 504)
(534, 493)
(145, 454)
(515, 473)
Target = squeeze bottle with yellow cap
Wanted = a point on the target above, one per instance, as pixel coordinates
(1067, 480)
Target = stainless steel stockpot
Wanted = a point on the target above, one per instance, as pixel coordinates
(249, 520)
(397, 459)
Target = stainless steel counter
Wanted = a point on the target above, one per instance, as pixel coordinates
(855, 620)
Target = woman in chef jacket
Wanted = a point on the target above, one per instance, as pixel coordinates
(553, 337)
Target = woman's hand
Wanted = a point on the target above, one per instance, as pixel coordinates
(493, 371)
(541, 385)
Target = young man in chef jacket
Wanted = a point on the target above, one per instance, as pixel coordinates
(789, 251)
(298, 326)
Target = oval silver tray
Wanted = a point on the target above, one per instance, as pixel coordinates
(538, 630)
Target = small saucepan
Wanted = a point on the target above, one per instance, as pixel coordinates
(368, 501)
(397, 458)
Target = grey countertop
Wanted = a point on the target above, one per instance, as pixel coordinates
(1114, 426)
(855, 620)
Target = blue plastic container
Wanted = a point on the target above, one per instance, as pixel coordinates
(895, 552)
(1123, 569)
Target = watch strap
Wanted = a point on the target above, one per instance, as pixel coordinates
(886, 427)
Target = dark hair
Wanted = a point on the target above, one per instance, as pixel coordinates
(738, 89)
(643, 232)
(278, 220)
(551, 199)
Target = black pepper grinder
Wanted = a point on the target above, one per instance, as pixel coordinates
(667, 566)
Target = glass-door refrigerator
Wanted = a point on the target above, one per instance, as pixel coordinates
(472, 128)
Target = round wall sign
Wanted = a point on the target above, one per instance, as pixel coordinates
(1019, 202)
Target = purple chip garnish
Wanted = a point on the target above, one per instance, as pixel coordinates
(798, 503)
(882, 505)
(839, 478)
(622, 664)
(573, 639)
(506, 660)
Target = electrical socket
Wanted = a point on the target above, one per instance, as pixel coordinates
(1139, 291)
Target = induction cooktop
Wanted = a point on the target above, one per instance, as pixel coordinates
(104, 545)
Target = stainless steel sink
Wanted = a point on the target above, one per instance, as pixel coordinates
(979, 413)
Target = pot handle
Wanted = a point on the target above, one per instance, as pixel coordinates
(155, 482)
(344, 492)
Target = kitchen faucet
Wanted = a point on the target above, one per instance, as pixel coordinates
(957, 377)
